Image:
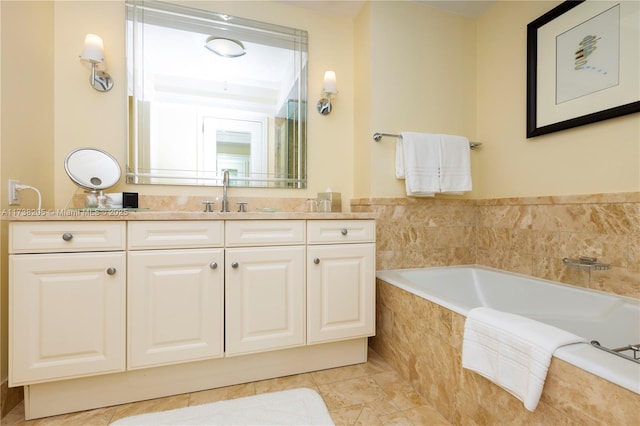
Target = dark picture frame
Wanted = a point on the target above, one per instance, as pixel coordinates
(539, 96)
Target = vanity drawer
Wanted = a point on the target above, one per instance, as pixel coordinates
(175, 234)
(341, 231)
(264, 232)
(66, 236)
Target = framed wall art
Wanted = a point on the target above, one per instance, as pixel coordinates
(583, 65)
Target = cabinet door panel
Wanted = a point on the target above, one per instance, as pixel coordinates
(67, 315)
(340, 292)
(175, 306)
(264, 299)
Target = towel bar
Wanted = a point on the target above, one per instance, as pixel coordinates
(378, 136)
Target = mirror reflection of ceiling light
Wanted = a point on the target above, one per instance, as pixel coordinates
(225, 47)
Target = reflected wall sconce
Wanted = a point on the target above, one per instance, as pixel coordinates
(93, 56)
(329, 89)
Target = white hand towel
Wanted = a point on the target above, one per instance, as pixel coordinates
(455, 164)
(399, 159)
(421, 163)
(512, 351)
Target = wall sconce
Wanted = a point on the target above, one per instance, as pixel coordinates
(93, 55)
(328, 89)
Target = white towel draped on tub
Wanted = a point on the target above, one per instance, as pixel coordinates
(433, 163)
(512, 351)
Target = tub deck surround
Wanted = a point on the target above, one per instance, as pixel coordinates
(421, 333)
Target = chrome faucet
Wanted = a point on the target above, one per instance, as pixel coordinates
(225, 185)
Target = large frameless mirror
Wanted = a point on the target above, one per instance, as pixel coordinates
(208, 92)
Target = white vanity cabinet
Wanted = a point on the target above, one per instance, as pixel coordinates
(265, 285)
(175, 292)
(106, 312)
(66, 300)
(340, 280)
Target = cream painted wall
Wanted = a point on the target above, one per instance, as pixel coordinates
(598, 158)
(85, 117)
(27, 99)
(26, 131)
(362, 165)
(420, 72)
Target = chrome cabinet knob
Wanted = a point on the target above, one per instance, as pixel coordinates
(111, 270)
(213, 265)
(235, 265)
(316, 260)
(67, 236)
(344, 231)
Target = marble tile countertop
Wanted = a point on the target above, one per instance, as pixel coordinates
(141, 214)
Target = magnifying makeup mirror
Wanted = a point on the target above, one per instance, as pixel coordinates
(92, 169)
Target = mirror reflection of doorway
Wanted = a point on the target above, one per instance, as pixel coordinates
(235, 145)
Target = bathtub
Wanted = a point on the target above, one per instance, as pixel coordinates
(612, 320)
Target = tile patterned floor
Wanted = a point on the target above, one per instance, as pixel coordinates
(365, 394)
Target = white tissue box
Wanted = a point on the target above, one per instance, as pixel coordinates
(114, 200)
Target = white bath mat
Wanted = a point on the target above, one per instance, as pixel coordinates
(291, 407)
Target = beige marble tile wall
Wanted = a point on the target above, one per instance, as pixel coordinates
(532, 235)
(418, 232)
(524, 235)
(423, 341)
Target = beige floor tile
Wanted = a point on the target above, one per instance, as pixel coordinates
(346, 416)
(368, 417)
(16, 416)
(151, 406)
(375, 364)
(338, 374)
(364, 394)
(359, 391)
(425, 415)
(286, 383)
(398, 418)
(400, 392)
(222, 394)
(418, 416)
(98, 417)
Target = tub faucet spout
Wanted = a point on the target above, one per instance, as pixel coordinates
(225, 186)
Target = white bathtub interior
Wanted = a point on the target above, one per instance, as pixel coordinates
(612, 320)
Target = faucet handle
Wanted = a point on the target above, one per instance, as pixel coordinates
(208, 206)
(242, 206)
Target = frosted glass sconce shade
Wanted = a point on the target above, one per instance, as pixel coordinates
(329, 85)
(93, 49)
(329, 88)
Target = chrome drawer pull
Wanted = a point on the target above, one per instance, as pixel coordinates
(235, 265)
(111, 270)
(213, 265)
(344, 231)
(67, 236)
(316, 260)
